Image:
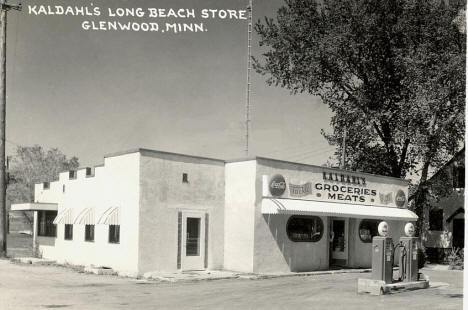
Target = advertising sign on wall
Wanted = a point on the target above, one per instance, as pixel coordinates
(343, 187)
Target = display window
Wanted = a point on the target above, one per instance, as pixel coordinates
(304, 228)
(368, 230)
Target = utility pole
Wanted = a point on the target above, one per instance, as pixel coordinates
(249, 67)
(3, 212)
(343, 150)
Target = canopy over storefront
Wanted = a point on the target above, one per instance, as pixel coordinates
(34, 206)
(310, 207)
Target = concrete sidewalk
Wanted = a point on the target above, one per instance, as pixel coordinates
(184, 276)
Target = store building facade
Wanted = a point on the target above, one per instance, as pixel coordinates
(282, 216)
(146, 210)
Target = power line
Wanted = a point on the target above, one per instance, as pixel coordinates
(311, 155)
(287, 148)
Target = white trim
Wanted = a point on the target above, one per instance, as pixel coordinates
(34, 206)
(307, 207)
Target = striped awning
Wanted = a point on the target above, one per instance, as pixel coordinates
(64, 217)
(86, 217)
(308, 207)
(110, 217)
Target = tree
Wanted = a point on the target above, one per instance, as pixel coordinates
(31, 165)
(393, 73)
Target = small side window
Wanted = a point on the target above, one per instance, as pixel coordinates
(436, 219)
(68, 231)
(114, 233)
(184, 178)
(89, 233)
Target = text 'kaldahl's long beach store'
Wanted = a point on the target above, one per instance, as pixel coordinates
(146, 210)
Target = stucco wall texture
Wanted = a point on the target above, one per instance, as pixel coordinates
(149, 188)
(115, 184)
(163, 195)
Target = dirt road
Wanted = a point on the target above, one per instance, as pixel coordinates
(42, 287)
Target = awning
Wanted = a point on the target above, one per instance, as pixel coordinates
(34, 206)
(64, 217)
(110, 217)
(308, 207)
(86, 217)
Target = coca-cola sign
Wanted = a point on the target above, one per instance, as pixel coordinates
(400, 199)
(277, 185)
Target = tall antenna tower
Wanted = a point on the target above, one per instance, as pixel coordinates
(249, 67)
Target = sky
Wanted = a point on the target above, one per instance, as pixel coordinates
(90, 93)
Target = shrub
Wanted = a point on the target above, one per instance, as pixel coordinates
(455, 258)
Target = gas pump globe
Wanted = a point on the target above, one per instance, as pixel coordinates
(383, 229)
(409, 230)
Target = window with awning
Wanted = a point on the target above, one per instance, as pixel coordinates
(110, 217)
(86, 217)
(64, 217)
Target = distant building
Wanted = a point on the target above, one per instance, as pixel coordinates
(146, 210)
(447, 213)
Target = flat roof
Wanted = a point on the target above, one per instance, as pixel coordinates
(249, 158)
(140, 150)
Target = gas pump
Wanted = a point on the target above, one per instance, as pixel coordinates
(382, 255)
(381, 281)
(409, 255)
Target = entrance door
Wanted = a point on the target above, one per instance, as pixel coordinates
(339, 241)
(458, 233)
(193, 244)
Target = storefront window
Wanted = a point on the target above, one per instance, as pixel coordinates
(46, 226)
(304, 228)
(368, 229)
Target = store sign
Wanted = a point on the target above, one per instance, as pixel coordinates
(277, 185)
(335, 186)
(300, 190)
(400, 199)
(343, 178)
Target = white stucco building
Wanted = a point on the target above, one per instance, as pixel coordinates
(146, 210)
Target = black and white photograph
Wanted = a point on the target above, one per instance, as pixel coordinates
(232, 154)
